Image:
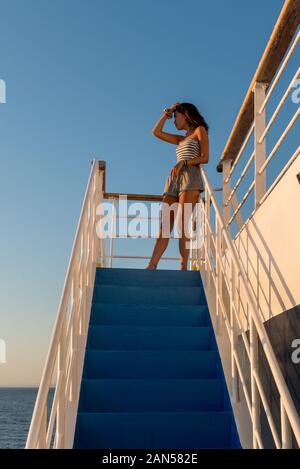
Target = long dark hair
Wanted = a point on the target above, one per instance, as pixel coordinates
(192, 115)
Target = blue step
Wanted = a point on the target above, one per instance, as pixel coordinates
(170, 295)
(151, 364)
(152, 375)
(149, 338)
(152, 395)
(144, 277)
(159, 430)
(149, 315)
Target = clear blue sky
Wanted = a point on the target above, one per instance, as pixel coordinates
(89, 79)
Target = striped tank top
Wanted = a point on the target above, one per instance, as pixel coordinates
(187, 148)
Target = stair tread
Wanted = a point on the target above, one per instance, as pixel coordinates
(137, 294)
(151, 363)
(155, 430)
(157, 380)
(138, 269)
(143, 337)
(147, 272)
(162, 306)
(148, 287)
(143, 276)
(147, 314)
(115, 395)
(149, 327)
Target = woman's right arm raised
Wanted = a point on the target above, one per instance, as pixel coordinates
(158, 132)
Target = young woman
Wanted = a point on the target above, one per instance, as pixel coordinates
(184, 183)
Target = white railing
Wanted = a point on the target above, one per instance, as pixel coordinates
(251, 123)
(229, 296)
(54, 427)
(114, 198)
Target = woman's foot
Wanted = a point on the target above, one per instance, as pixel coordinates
(151, 266)
(183, 266)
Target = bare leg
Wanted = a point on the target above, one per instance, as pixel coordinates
(162, 241)
(187, 201)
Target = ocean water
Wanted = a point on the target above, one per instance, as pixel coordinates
(16, 408)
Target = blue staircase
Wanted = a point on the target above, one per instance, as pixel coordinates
(152, 374)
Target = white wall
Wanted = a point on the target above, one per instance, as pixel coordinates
(269, 247)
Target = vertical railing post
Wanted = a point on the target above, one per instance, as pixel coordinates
(91, 235)
(191, 250)
(200, 226)
(84, 275)
(92, 243)
(101, 258)
(255, 402)
(260, 147)
(218, 273)
(101, 194)
(112, 232)
(207, 240)
(226, 164)
(75, 329)
(91, 227)
(233, 329)
(193, 242)
(198, 230)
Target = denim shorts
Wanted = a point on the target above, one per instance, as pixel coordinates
(188, 179)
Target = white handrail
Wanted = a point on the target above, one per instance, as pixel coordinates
(280, 71)
(67, 331)
(257, 329)
(252, 115)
